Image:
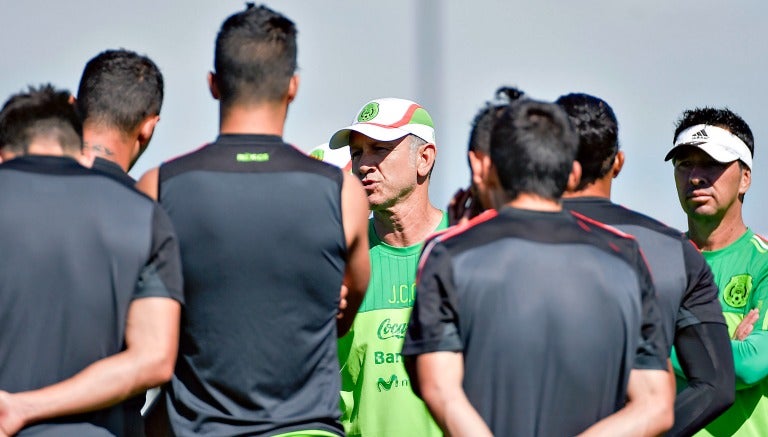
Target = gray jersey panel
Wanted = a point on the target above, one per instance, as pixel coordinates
(540, 338)
(74, 243)
(78, 247)
(664, 255)
(263, 251)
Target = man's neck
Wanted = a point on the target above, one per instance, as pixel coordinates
(45, 147)
(108, 144)
(533, 202)
(407, 223)
(599, 188)
(266, 119)
(714, 234)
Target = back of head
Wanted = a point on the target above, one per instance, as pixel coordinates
(120, 89)
(40, 114)
(480, 135)
(255, 56)
(722, 118)
(595, 123)
(533, 147)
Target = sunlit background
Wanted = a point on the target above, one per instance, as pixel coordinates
(649, 60)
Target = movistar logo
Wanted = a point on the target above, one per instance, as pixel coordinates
(252, 157)
(387, 385)
(700, 135)
(387, 329)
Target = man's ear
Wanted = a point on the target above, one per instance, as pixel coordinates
(293, 87)
(213, 87)
(574, 177)
(426, 159)
(746, 179)
(143, 134)
(618, 164)
(147, 128)
(479, 165)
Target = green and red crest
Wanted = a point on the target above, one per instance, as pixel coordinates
(369, 112)
(736, 292)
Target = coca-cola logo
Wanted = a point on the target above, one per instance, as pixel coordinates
(387, 329)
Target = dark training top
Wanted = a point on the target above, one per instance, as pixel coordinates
(137, 402)
(685, 288)
(687, 296)
(548, 311)
(112, 169)
(263, 252)
(78, 247)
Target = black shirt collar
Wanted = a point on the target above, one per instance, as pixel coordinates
(112, 169)
(244, 139)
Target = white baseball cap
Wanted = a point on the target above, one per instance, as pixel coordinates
(339, 157)
(386, 120)
(716, 142)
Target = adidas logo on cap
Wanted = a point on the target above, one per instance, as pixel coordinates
(700, 135)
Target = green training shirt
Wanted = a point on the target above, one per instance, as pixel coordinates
(741, 273)
(376, 395)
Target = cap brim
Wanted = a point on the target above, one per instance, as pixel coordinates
(671, 153)
(341, 138)
(714, 150)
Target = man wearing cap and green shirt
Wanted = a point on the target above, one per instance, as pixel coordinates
(338, 157)
(392, 146)
(712, 156)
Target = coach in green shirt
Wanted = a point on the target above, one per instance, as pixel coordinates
(392, 146)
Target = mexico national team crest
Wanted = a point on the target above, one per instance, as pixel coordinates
(736, 293)
(369, 112)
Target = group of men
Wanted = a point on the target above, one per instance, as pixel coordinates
(248, 280)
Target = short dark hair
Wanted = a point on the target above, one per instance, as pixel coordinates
(723, 118)
(40, 112)
(255, 56)
(533, 147)
(480, 135)
(119, 89)
(594, 121)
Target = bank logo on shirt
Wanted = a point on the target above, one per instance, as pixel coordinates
(736, 292)
(380, 357)
(388, 330)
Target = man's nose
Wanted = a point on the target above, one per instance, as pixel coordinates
(364, 163)
(698, 177)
